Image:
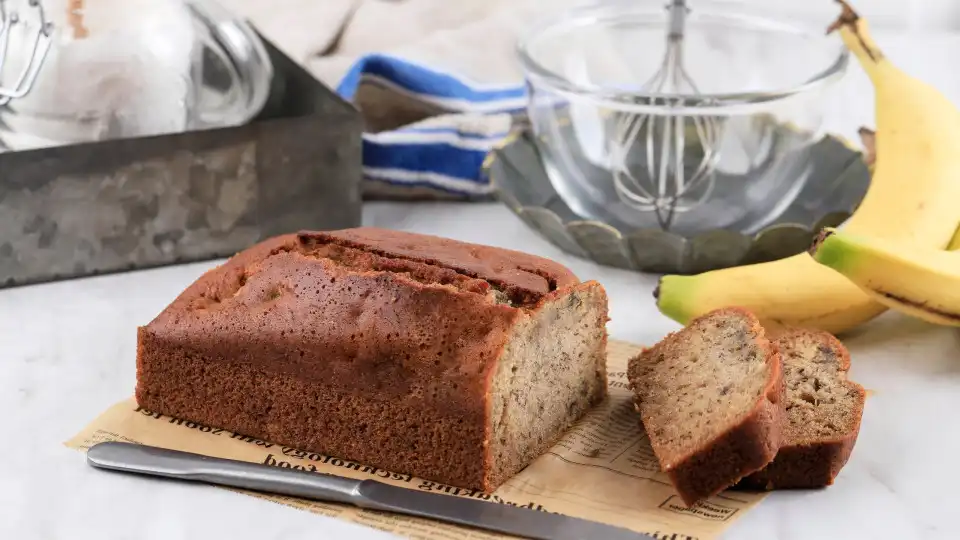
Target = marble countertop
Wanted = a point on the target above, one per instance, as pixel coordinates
(67, 353)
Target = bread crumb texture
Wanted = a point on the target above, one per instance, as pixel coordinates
(823, 413)
(710, 400)
(708, 376)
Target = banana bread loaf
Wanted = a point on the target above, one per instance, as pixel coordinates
(455, 362)
(823, 414)
(710, 400)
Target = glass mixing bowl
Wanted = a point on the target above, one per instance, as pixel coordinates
(727, 148)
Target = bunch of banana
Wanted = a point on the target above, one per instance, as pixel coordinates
(912, 199)
(918, 281)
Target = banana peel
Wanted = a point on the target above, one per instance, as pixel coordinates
(917, 281)
(911, 199)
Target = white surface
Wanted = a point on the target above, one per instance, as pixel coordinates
(68, 353)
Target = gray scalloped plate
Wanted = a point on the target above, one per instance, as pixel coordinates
(837, 185)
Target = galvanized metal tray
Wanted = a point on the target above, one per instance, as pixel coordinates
(837, 185)
(110, 206)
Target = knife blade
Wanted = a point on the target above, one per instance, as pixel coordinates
(369, 494)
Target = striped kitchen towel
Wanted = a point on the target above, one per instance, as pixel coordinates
(428, 132)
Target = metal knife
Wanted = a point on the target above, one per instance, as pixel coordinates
(370, 494)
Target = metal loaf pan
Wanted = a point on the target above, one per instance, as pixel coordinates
(117, 205)
(836, 187)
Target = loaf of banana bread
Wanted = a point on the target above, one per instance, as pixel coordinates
(454, 362)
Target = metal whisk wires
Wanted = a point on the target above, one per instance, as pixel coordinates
(650, 153)
(41, 37)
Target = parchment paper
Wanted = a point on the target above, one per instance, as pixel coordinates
(603, 470)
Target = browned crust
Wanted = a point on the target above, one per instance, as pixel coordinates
(812, 463)
(326, 338)
(528, 277)
(498, 265)
(296, 415)
(802, 466)
(745, 447)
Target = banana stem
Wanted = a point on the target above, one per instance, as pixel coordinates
(854, 32)
(818, 240)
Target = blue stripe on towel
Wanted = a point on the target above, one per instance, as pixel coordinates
(444, 153)
(420, 80)
(434, 158)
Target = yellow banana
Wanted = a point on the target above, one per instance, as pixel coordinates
(921, 282)
(912, 198)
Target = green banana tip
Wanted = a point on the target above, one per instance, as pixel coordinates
(670, 297)
(833, 249)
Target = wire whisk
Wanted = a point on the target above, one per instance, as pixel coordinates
(35, 54)
(665, 163)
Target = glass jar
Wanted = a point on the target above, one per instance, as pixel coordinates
(127, 68)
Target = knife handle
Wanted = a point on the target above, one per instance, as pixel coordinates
(153, 461)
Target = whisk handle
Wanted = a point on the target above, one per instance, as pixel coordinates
(678, 15)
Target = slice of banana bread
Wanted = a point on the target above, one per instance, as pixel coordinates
(823, 414)
(710, 399)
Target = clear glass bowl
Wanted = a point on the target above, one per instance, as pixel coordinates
(750, 120)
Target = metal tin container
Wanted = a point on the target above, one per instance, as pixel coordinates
(114, 205)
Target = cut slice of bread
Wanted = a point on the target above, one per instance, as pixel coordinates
(710, 397)
(823, 412)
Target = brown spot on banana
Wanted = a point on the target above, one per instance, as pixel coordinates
(818, 241)
(848, 17)
(920, 305)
